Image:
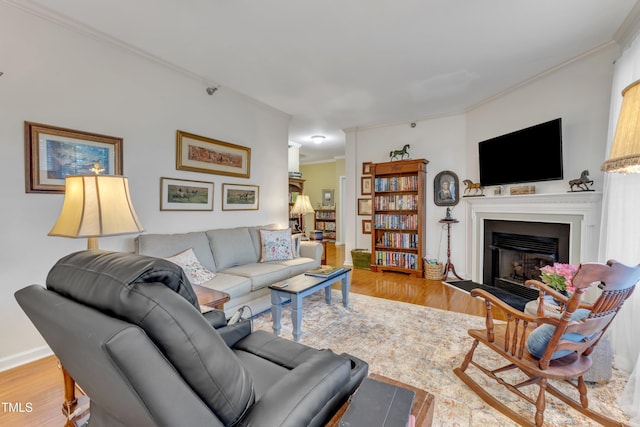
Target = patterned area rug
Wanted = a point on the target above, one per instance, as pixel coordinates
(421, 346)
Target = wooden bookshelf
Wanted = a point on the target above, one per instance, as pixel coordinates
(296, 187)
(398, 208)
(325, 221)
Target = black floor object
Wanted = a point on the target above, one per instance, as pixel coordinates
(515, 301)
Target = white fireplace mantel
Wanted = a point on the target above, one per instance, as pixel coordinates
(581, 210)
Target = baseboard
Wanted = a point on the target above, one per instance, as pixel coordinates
(15, 360)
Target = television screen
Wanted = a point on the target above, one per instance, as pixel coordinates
(527, 155)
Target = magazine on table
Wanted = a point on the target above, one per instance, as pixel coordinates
(325, 271)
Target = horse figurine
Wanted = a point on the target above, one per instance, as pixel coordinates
(405, 151)
(475, 186)
(581, 183)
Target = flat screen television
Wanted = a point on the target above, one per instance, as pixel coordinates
(527, 155)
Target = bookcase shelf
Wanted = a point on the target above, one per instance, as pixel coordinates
(296, 188)
(398, 232)
(325, 221)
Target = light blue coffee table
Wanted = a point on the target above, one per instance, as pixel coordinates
(299, 287)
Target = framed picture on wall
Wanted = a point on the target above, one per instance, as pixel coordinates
(445, 189)
(364, 207)
(185, 195)
(327, 197)
(365, 185)
(197, 153)
(237, 197)
(366, 226)
(53, 153)
(366, 168)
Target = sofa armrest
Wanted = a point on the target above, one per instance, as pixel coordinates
(302, 393)
(310, 249)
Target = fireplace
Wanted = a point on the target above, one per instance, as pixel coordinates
(515, 251)
(572, 218)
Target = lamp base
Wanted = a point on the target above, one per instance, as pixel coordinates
(92, 243)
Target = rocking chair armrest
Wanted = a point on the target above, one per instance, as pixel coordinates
(492, 300)
(546, 290)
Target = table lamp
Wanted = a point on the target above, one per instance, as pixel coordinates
(94, 206)
(302, 206)
(625, 150)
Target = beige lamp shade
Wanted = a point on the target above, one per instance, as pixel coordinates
(625, 150)
(94, 206)
(302, 206)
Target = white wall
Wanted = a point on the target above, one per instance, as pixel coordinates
(427, 140)
(578, 92)
(57, 76)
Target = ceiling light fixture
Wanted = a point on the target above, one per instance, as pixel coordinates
(318, 139)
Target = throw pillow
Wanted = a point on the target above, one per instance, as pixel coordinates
(295, 245)
(538, 339)
(275, 245)
(196, 272)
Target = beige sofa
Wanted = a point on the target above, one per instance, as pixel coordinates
(233, 254)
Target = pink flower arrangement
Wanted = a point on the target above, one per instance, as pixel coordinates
(558, 276)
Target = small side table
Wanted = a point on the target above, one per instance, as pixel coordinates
(449, 266)
(323, 260)
(210, 298)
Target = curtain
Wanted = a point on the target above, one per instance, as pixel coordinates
(620, 240)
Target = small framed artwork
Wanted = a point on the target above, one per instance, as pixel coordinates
(53, 153)
(366, 168)
(185, 195)
(364, 207)
(327, 197)
(236, 197)
(365, 185)
(200, 154)
(366, 226)
(445, 189)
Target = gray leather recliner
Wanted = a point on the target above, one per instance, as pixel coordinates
(129, 331)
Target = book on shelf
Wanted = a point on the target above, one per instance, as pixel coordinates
(325, 271)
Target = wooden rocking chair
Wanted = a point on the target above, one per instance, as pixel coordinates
(564, 342)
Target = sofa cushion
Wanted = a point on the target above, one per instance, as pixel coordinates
(236, 286)
(254, 232)
(196, 272)
(539, 338)
(262, 274)
(299, 265)
(275, 245)
(231, 247)
(165, 245)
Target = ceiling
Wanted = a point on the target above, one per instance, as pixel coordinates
(341, 64)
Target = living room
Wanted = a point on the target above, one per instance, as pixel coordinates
(57, 76)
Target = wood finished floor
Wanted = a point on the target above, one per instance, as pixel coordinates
(39, 384)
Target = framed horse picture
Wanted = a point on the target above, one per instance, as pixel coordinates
(446, 189)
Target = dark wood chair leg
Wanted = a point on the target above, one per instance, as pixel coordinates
(70, 399)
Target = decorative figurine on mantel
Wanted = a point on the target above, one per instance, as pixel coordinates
(478, 190)
(393, 155)
(581, 183)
